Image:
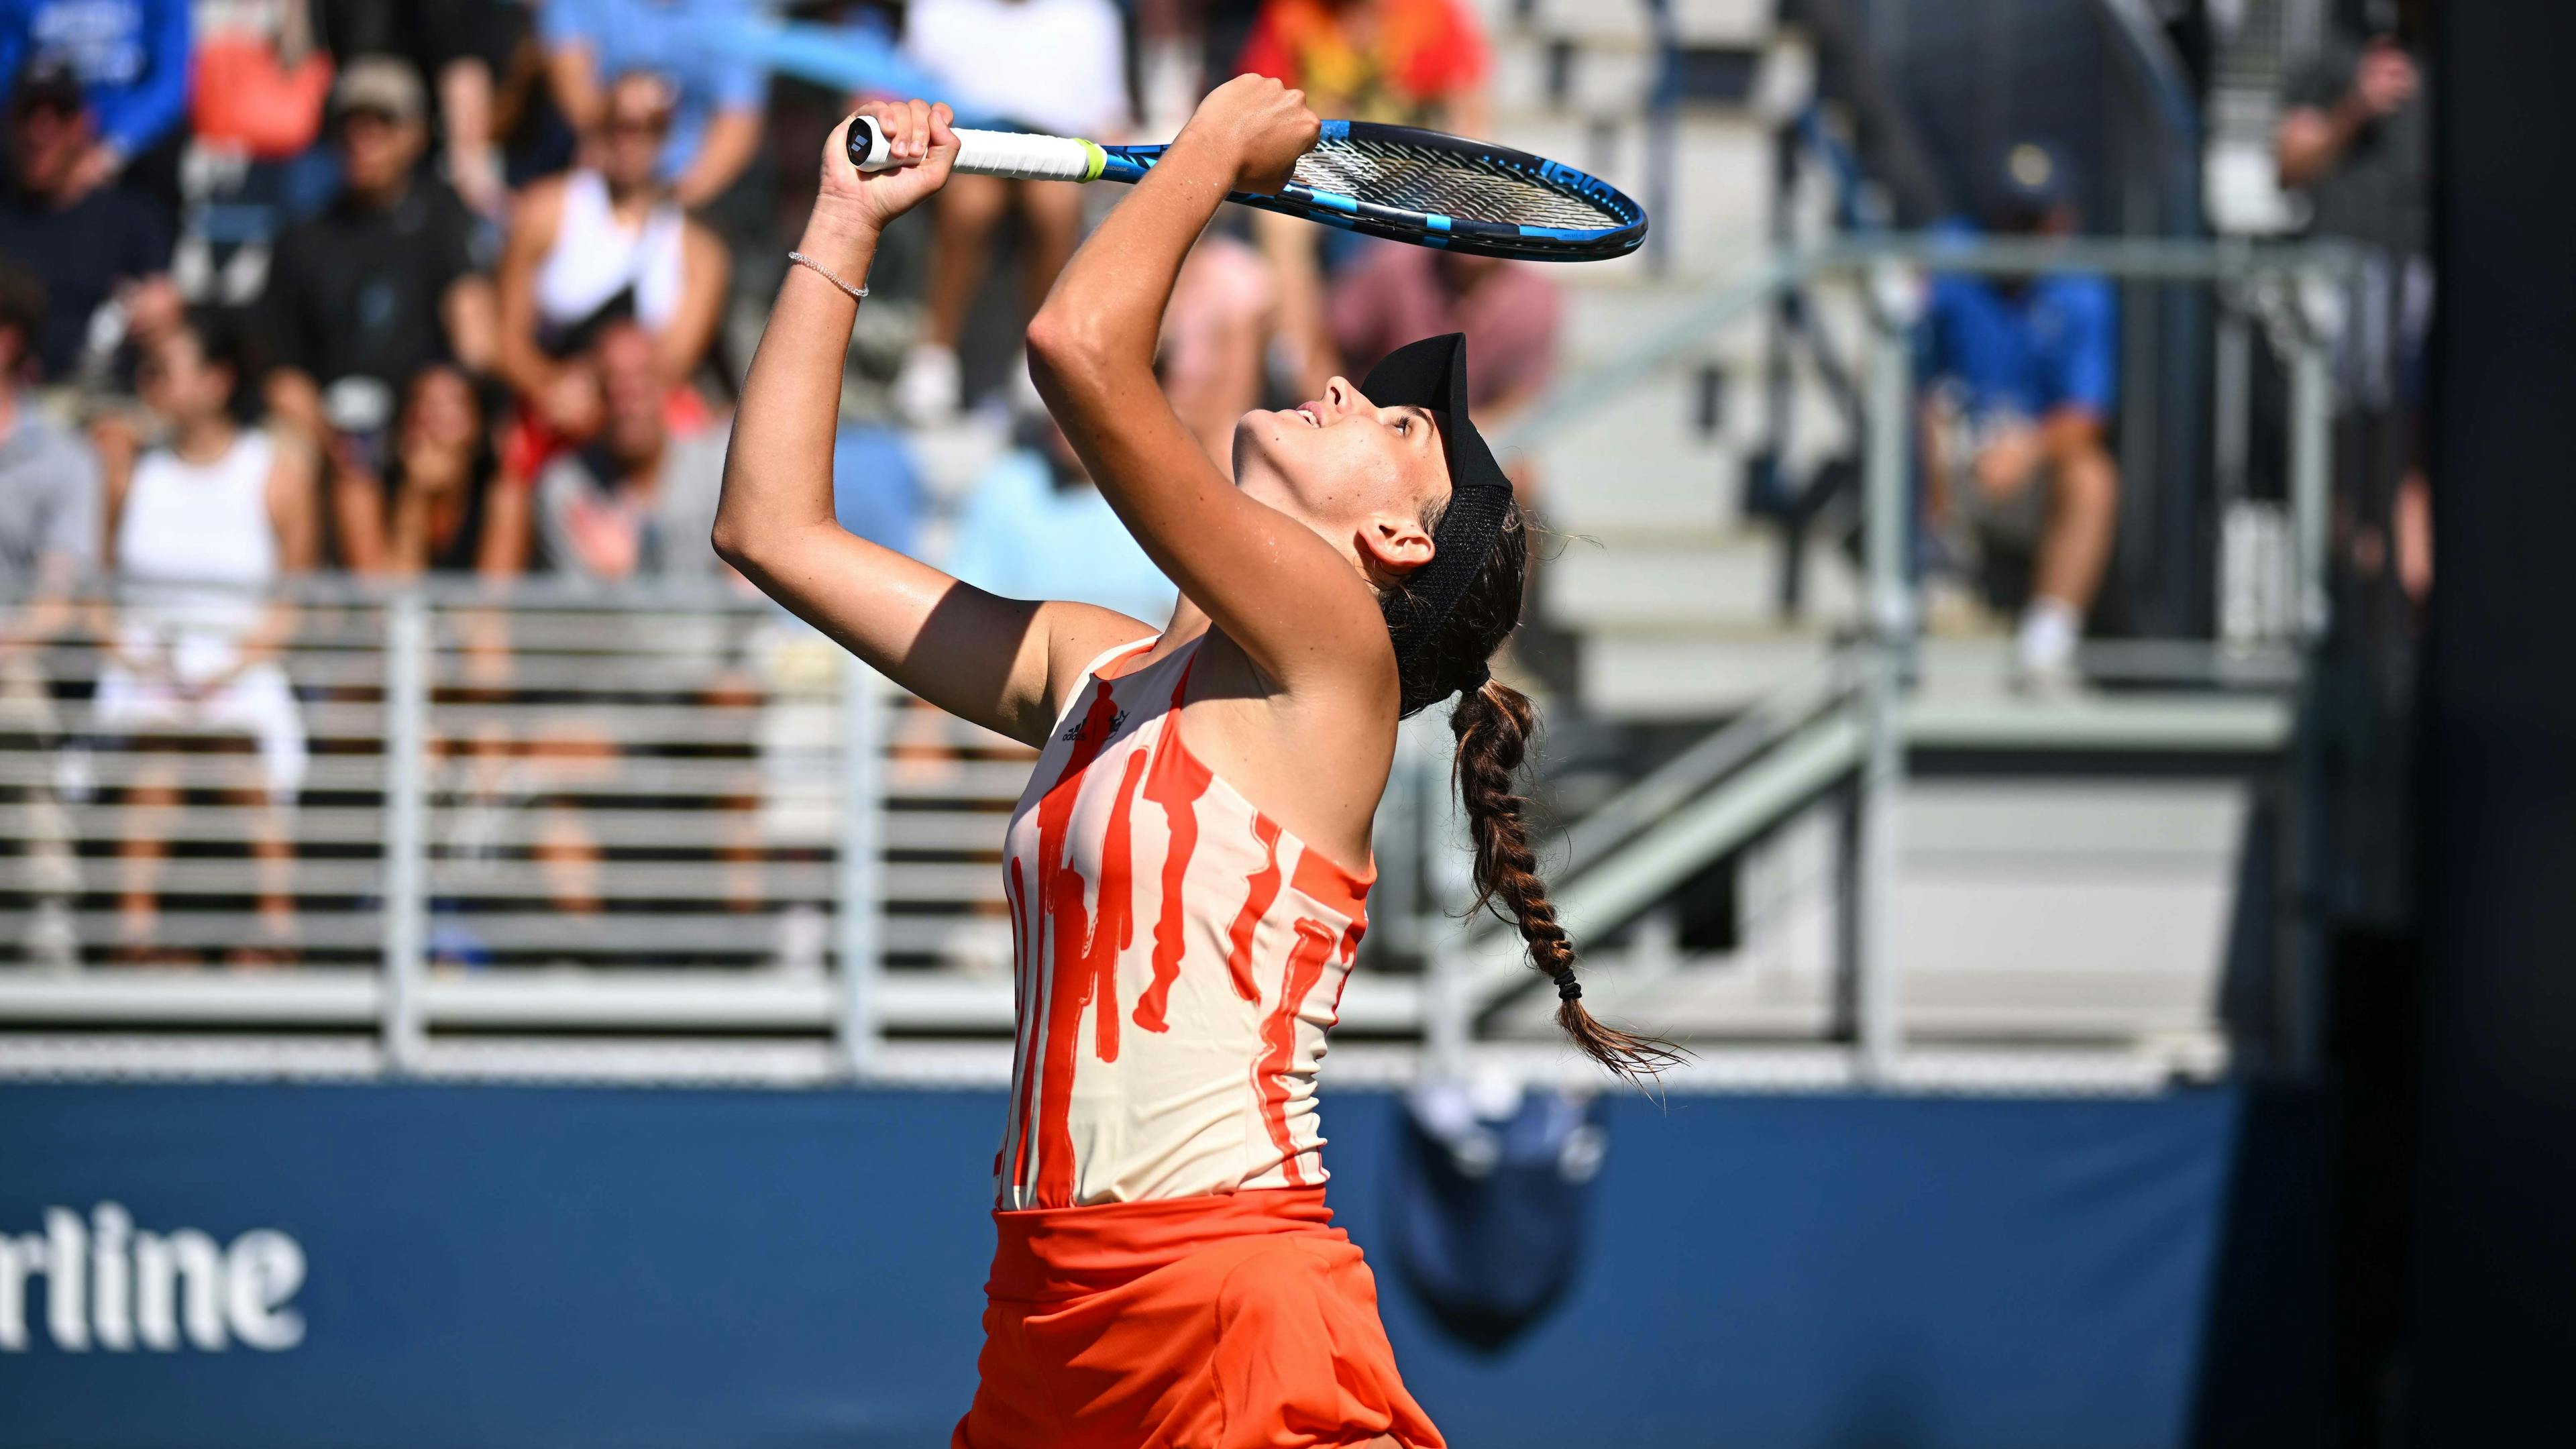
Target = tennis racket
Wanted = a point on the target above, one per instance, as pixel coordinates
(1387, 181)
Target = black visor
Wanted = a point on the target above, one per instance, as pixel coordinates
(1432, 374)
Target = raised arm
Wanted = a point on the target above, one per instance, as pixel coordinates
(1294, 604)
(980, 657)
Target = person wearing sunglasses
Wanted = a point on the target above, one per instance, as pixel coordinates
(608, 237)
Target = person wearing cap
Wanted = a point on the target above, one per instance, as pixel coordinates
(387, 280)
(130, 60)
(1189, 868)
(94, 248)
(2022, 382)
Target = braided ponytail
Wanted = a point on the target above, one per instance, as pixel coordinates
(1493, 726)
(1493, 723)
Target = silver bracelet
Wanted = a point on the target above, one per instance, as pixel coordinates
(857, 293)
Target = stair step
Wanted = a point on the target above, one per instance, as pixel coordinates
(1543, 73)
(1608, 323)
(1724, 22)
(2063, 909)
(1593, 20)
(1695, 22)
(1618, 582)
(1674, 674)
(2044, 828)
(1641, 463)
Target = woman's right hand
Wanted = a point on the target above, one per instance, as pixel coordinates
(1261, 125)
(919, 140)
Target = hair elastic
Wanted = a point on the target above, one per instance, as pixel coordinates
(1567, 988)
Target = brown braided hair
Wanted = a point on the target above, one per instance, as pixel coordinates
(1494, 724)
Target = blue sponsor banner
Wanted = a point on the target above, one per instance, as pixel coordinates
(450, 1265)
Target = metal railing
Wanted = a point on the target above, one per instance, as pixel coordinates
(539, 830)
(531, 826)
(1853, 720)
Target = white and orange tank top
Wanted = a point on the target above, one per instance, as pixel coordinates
(1180, 959)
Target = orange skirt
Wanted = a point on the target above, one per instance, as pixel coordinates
(1185, 1323)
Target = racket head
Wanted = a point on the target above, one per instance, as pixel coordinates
(1436, 190)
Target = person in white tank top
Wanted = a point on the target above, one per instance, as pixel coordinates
(1188, 869)
(605, 231)
(198, 536)
(1057, 67)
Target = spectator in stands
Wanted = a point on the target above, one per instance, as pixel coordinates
(2022, 376)
(640, 500)
(363, 296)
(48, 482)
(442, 506)
(2357, 137)
(1409, 62)
(49, 503)
(1215, 349)
(209, 522)
(1035, 527)
(262, 81)
(608, 237)
(130, 59)
(712, 129)
(460, 47)
(90, 246)
(1053, 66)
(1509, 311)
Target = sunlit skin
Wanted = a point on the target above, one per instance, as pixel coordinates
(1362, 476)
(1294, 701)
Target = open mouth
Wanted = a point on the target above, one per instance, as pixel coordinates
(1308, 413)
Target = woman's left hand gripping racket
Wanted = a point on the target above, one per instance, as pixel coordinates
(1388, 181)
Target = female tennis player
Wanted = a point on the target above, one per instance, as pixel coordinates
(1188, 868)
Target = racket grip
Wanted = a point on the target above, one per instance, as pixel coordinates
(991, 153)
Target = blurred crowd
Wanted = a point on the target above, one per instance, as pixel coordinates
(476, 278)
(390, 288)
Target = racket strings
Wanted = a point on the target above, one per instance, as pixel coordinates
(1420, 178)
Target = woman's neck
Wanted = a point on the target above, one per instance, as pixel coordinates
(1189, 621)
(204, 440)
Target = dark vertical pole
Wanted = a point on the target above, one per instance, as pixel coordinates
(2493, 1326)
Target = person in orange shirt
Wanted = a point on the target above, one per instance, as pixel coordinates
(1405, 62)
(1399, 62)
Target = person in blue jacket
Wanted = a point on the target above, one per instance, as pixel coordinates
(2023, 376)
(131, 57)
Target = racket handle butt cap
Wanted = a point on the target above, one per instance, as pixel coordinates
(868, 146)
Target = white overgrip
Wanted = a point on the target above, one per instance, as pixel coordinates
(1027, 157)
